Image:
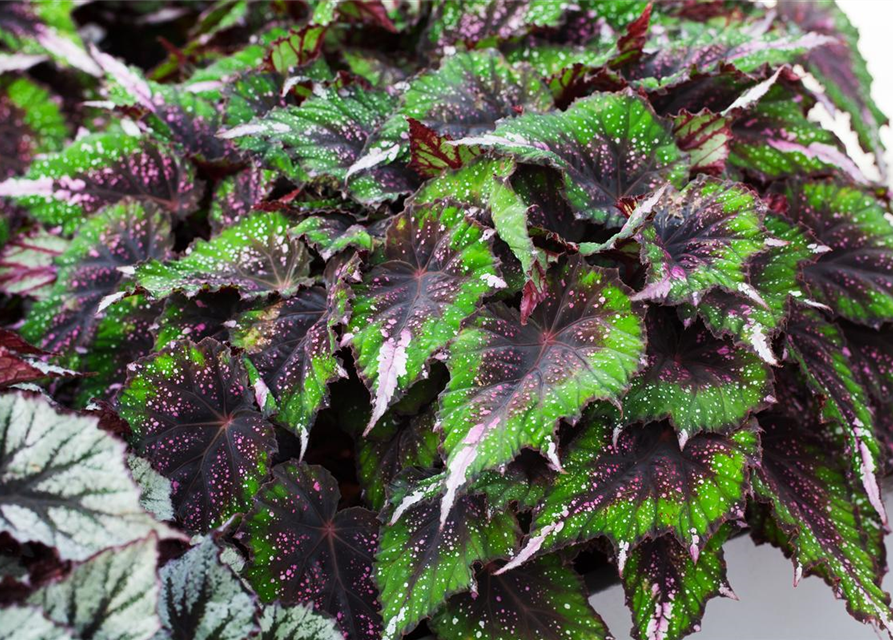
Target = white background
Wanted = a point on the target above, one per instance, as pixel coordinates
(769, 608)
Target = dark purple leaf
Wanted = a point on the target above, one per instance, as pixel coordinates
(304, 550)
(192, 413)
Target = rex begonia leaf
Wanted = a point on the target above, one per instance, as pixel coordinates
(204, 315)
(32, 124)
(303, 550)
(123, 335)
(393, 445)
(466, 96)
(327, 134)
(27, 262)
(608, 146)
(776, 277)
(699, 382)
(819, 348)
(471, 185)
(191, 410)
(816, 506)
(333, 233)
(291, 346)
(667, 591)
(63, 482)
(871, 352)
(421, 561)
(19, 622)
(106, 246)
(155, 489)
(638, 484)
(701, 238)
(854, 278)
(775, 139)
(510, 383)
(481, 21)
(255, 256)
(99, 170)
(298, 622)
(433, 270)
(541, 601)
(202, 599)
(841, 69)
(235, 197)
(111, 596)
(687, 48)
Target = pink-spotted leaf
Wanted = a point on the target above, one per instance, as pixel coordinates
(854, 278)
(303, 550)
(541, 601)
(608, 146)
(775, 276)
(699, 382)
(255, 256)
(633, 483)
(326, 137)
(819, 348)
(841, 69)
(819, 515)
(107, 246)
(434, 268)
(102, 169)
(700, 238)
(192, 413)
(667, 591)
(290, 347)
(421, 562)
(510, 383)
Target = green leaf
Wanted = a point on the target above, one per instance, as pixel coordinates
(63, 482)
(255, 256)
(699, 239)
(333, 233)
(27, 263)
(541, 601)
(111, 596)
(482, 22)
(421, 561)
(608, 146)
(394, 444)
(465, 96)
(667, 591)
(435, 266)
(18, 622)
(633, 483)
(817, 510)
(510, 383)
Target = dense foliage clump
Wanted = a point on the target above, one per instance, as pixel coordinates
(365, 318)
